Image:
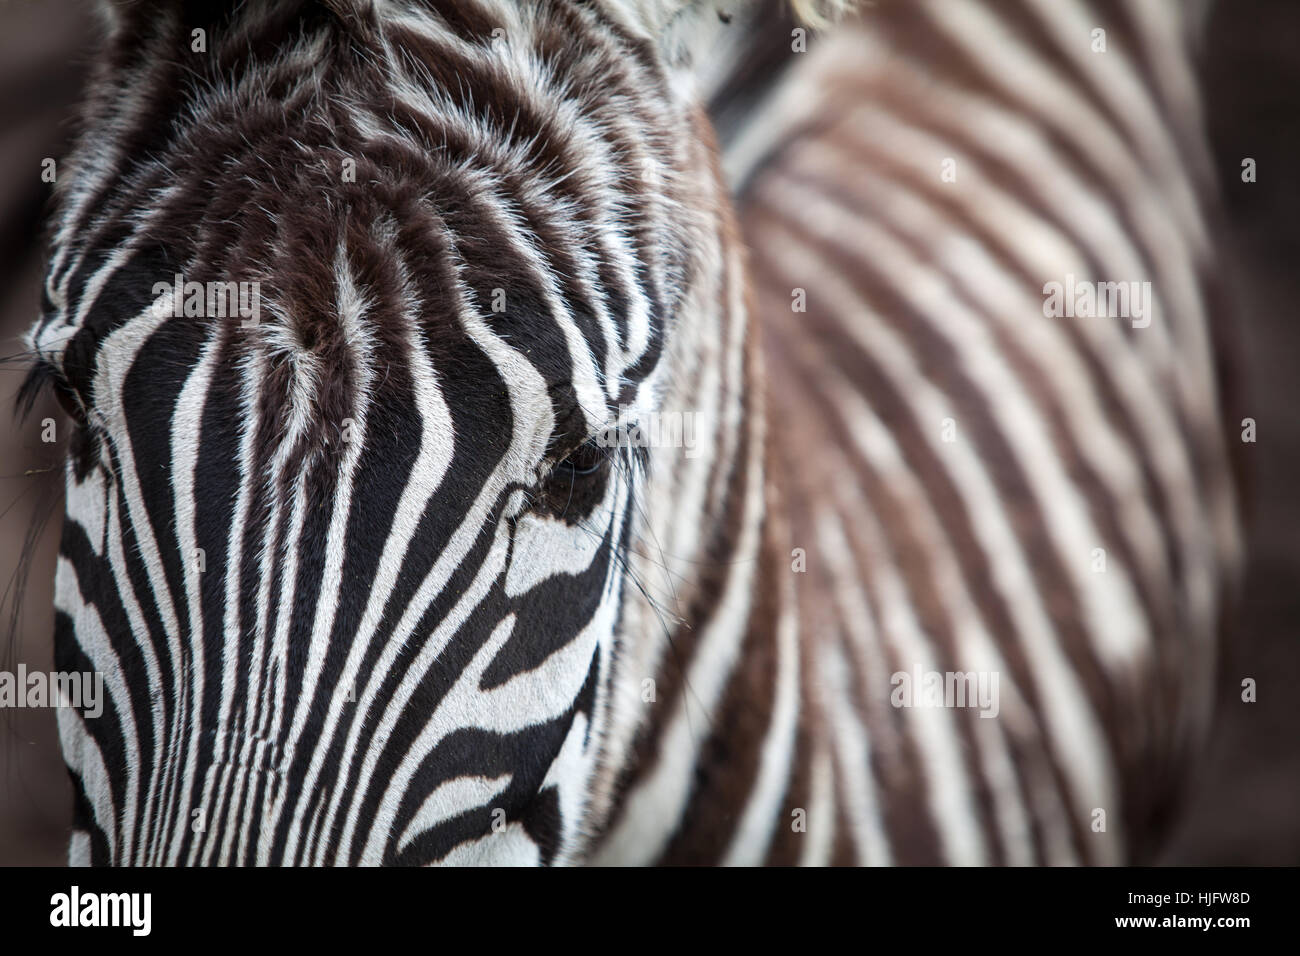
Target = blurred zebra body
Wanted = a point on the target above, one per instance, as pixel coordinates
(984, 488)
(436, 621)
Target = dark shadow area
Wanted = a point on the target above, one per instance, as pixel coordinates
(1245, 805)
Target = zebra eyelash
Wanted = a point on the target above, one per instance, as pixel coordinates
(604, 448)
(586, 466)
(47, 376)
(587, 459)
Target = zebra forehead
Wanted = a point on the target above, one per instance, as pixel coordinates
(384, 187)
(359, 211)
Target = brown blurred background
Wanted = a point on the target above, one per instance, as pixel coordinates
(1245, 803)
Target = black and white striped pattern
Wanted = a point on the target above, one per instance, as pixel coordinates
(368, 586)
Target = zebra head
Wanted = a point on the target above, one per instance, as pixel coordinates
(349, 304)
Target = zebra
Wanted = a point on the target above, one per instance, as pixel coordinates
(379, 568)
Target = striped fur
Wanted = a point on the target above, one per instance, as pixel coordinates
(925, 304)
(437, 621)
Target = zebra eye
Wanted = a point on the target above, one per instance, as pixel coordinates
(575, 487)
(587, 459)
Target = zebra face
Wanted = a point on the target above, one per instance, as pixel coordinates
(345, 321)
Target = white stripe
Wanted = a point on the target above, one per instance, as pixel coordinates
(762, 812)
(185, 436)
(819, 841)
(81, 754)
